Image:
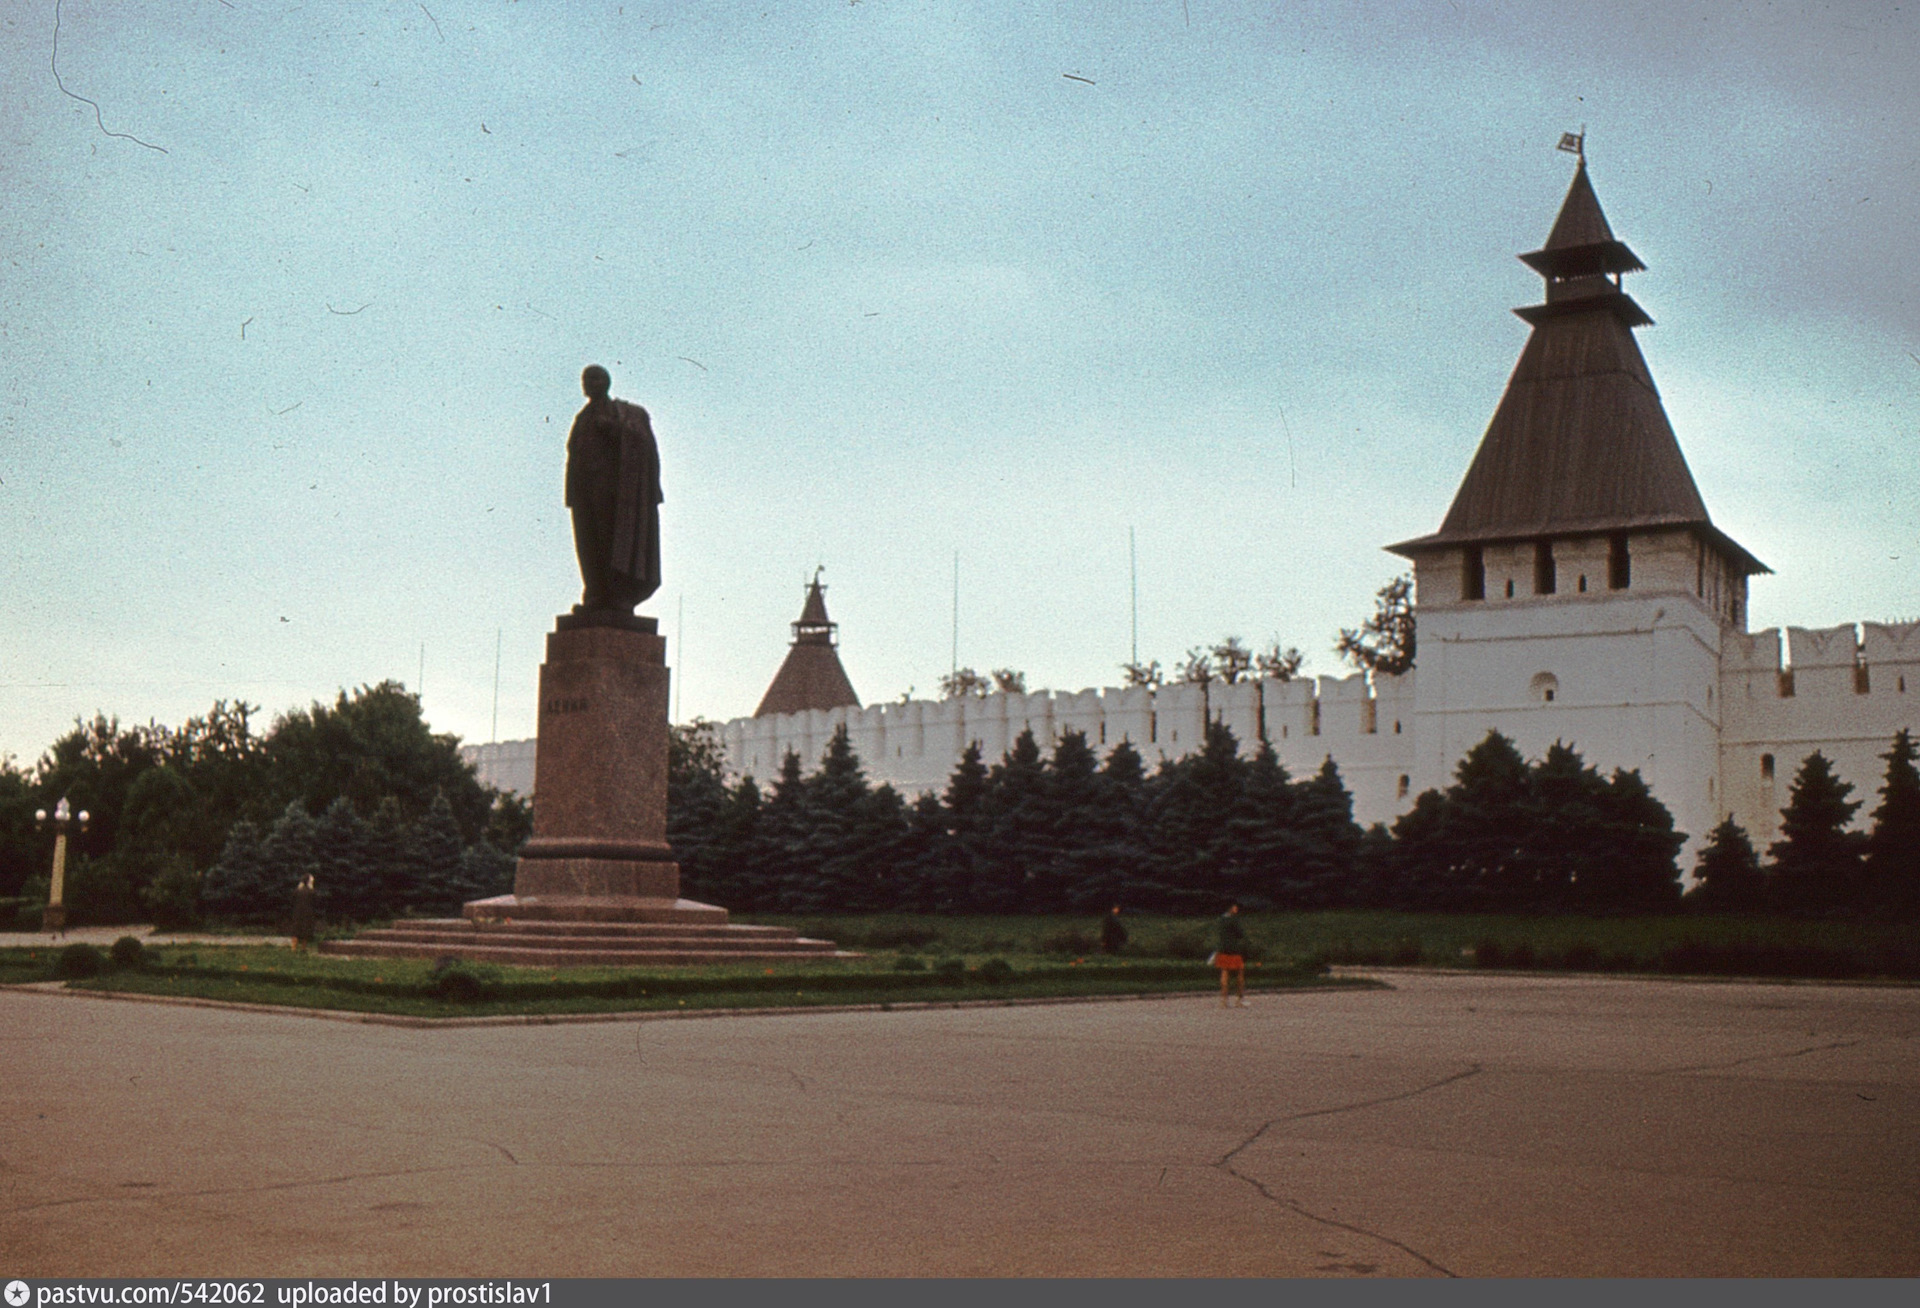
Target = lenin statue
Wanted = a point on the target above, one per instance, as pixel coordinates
(613, 488)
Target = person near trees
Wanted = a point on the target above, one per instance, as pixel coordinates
(1230, 955)
(1113, 933)
(302, 925)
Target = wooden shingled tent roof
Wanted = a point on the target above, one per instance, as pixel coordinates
(811, 676)
(1580, 443)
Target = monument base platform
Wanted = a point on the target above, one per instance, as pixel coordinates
(575, 941)
(592, 908)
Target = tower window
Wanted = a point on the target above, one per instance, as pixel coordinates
(1766, 767)
(1401, 788)
(1583, 583)
(1861, 685)
(1544, 580)
(1619, 563)
(1473, 580)
(1509, 587)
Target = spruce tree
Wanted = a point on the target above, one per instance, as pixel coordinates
(1012, 829)
(487, 871)
(925, 858)
(1418, 874)
(1194, 803)
(1273, 871)
(347, 874)
(1728, 876)
(835, 875)
(738, 877)
(1893, 848)
(235, 887)
(785, 821)
(390, 876)
(1071, 816)
(1565, 841)
(1123, 779)
(1465, 849)
(1631, 867)
(1330, 838)
(432, 851)
(696, 795)
(1816, 861)
(291, 854)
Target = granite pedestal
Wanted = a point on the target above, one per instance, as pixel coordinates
(597, 883)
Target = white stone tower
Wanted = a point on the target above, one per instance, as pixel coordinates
(1577, 589)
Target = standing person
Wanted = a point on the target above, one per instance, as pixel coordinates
(1230, 956)
(1113, 935)
(302, 926)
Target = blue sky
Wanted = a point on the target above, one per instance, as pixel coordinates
(285, 380)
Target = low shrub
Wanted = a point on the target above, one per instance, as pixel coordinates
(1488, 954)
(994, 971)
(127, 955)
(1521, 955)
(1581, 956)
(1407, 952)
(1750, 958)
(76, 962)
(953, 971)
(458, 983)
(908, 963)
(1071, 941)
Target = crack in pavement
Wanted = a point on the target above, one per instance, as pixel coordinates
(1295, 1206)
(349, 1178)
(1758, 1058)
(1227, 1157)
(1225, 1164)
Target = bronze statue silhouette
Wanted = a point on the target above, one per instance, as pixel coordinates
(613, 489)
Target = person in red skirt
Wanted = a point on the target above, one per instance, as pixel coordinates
(1230, 955)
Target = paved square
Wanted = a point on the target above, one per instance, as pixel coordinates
(1466, 1124)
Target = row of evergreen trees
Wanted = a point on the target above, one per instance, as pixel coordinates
(1074, 833)
(1032, 835)
(1819, 864)
(361, 869)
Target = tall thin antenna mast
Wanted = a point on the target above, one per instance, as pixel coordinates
(1133, 593)
(498, 634)
(955, 669)
(680, 653)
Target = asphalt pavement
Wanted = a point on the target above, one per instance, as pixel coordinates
(1458, 1124)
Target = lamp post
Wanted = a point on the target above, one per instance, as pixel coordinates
(55, 917)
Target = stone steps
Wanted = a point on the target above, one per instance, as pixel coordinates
(470, 929)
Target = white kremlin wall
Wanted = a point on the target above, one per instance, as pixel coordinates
(1740, 740)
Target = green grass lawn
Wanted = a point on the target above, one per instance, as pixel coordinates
(919, 958)
(300, 978)
(1677, 943)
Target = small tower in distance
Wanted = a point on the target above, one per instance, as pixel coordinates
(811, 677)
